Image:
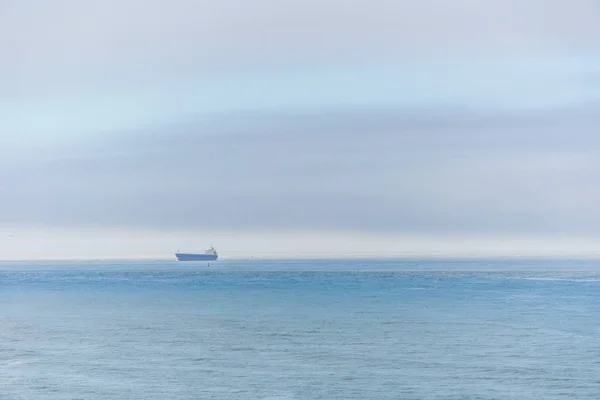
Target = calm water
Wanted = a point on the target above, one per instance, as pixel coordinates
(300, 330)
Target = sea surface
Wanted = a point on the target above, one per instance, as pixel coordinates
(300, 330)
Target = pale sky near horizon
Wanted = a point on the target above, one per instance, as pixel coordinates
(130, 128)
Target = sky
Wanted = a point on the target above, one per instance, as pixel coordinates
(132, 128)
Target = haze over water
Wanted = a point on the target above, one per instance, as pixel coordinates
(300, 330)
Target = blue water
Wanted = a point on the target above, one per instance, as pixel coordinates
(300, 330)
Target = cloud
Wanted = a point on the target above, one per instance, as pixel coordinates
(70, 68)
(394, 117)
(372, 171)
(132, 27)
(135, 40)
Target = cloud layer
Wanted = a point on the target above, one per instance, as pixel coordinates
(379, 172)
(71, 31)
(381, 117)
(65, 44)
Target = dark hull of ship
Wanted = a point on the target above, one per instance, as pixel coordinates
(195, 257)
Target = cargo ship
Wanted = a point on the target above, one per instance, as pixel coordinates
(208, 255)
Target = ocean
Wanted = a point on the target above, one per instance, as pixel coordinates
(360, 329)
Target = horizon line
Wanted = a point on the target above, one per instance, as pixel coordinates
(319, 258)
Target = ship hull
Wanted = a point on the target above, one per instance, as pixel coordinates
(195, 257)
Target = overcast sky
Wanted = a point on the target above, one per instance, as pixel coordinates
(262, 126)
